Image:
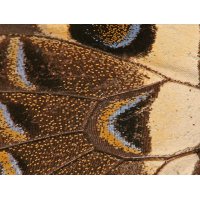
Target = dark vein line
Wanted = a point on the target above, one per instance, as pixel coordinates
(101, 52)
(164, 164)
(166, 77)
(110, 55)
(136, 90)
(92, 110)
(170, 160)
(116, 166)
(50, 93)
(185, 152)
(136, 63)
(42, 138)
(161, 167)
(97, 149)
(71, 161)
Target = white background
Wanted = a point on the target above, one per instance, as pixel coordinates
(99, 187)
(103, 11)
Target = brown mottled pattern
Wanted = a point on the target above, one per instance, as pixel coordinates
(43, 156)
(66, 67)
(41, 115)
(128, 168)
(18, 28)
(54, 88)
(90, 164)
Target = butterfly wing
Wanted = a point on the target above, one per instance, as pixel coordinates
(50, 90)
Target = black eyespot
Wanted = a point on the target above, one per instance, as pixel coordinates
(119, 125)
(131, 123)
(120, 39)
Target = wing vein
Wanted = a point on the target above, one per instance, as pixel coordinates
(72, 160)
(39, 139)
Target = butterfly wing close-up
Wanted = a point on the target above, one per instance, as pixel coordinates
(95, 99)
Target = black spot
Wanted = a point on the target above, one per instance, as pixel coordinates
(90, 35)
(38, 68)
(133, 123)
(22, 117)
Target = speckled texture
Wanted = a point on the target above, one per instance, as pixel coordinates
(99, 99)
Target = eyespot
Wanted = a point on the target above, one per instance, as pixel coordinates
(119, 125)
(123, 39)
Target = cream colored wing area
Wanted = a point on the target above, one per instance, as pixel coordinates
(60, 31)
(175, 52)
(174, 121)
(151, 167)
(137, 167)
(180, 166)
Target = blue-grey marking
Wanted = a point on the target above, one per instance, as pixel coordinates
(8, 119)
(21, 65)
(14, 165)
(122, 109)
(130, 36)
